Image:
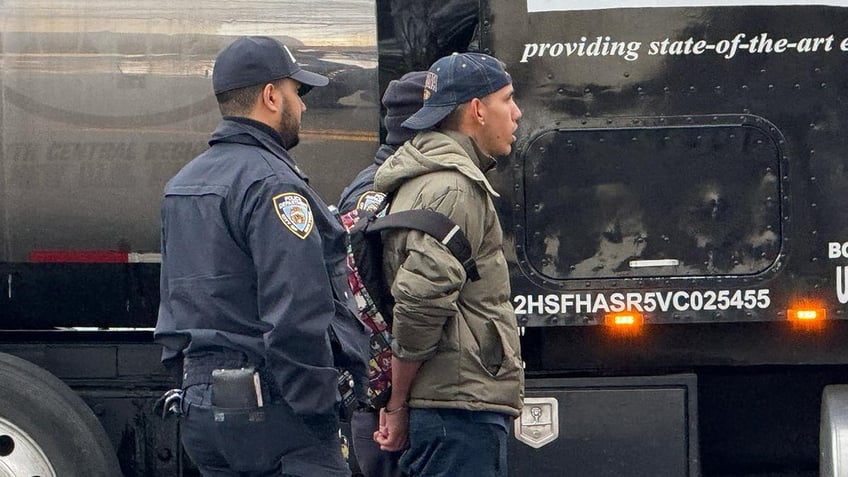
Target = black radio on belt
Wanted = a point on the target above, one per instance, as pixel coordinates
(238, 388)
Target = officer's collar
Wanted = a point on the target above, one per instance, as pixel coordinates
(258, 125)
(273, 142)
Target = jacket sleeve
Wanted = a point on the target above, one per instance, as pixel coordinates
(427, 284)
(294, 294)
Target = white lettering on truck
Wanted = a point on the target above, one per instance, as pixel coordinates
(840, 250)
(842, 284)
(650, 302)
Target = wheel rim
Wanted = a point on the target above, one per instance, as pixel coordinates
(20, 454)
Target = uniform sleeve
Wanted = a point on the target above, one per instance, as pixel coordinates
(294, 294)
(364, 182)
(427, 284)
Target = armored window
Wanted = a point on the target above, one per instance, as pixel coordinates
(651, 200)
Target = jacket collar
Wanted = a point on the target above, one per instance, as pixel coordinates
(383, 152)
(482, 160)
(242, 130)
(431, 151)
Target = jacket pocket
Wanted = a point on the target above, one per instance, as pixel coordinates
(489, 342)
(492, 352)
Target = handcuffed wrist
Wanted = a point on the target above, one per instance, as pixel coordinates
(397, 409)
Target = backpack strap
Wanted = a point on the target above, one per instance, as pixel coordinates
(434, 224)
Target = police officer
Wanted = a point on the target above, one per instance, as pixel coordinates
(254, 294)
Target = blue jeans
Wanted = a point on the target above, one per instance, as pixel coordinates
(456, 443)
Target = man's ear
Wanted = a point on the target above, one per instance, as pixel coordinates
(271, 98)
(478, 110)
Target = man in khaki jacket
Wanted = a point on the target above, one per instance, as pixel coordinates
(457, 375)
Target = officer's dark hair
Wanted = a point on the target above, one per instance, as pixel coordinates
(239, 102)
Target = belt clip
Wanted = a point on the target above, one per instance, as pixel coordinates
(170, 403)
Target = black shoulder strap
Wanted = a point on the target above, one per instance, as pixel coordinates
(436, 225)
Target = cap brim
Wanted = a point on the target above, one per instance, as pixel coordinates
(310, 78)
(427, 117)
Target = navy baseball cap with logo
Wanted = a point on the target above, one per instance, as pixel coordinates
(254, 60)
(456, 79)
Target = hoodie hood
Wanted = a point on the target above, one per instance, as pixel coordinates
(432, 151)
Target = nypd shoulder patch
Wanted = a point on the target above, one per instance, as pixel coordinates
(295, 213)
(370, 201)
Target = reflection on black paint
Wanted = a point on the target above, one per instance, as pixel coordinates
(703, 196)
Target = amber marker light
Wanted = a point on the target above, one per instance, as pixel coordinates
(625, 322)
(807, 315)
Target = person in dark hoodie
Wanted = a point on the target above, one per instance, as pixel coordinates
(254, 293)
(402, 98)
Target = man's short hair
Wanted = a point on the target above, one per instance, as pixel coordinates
(453, 119)
(239, 102)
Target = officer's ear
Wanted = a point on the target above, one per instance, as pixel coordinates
(272, 98)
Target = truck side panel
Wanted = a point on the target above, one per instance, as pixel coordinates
(103, 102)
(682, 167)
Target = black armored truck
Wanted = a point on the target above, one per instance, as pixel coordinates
(673, 213)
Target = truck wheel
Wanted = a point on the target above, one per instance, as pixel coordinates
(46, 429)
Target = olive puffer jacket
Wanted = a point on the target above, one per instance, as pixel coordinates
(464, 332)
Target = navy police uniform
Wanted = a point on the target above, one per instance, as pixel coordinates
(360, 194)
(373, 461)
(253, 274)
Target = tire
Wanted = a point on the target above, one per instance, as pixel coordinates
(46, 429)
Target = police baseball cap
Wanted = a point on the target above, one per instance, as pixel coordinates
(255, 60)
(456, 79)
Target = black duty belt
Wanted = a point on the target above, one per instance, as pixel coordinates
(197, 369)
